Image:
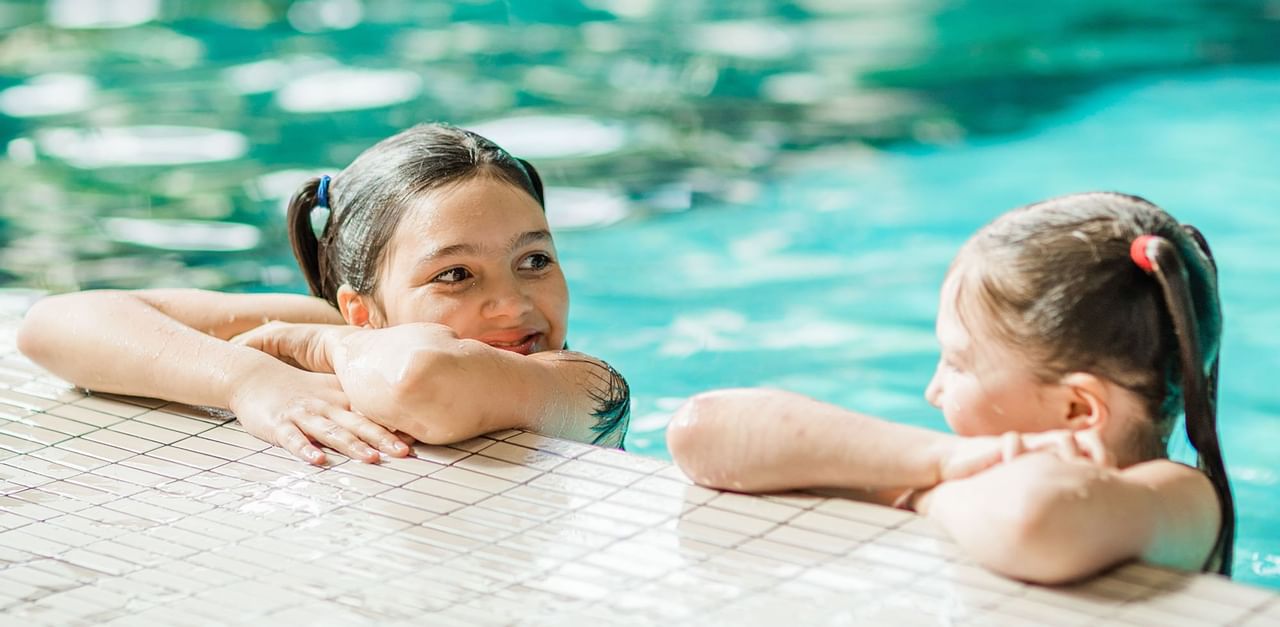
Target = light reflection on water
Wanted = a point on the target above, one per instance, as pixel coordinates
(744, 193)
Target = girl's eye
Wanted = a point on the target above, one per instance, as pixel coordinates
(452, 275)
(536, 261)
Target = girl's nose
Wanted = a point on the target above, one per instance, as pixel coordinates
(507, 300)
(933, 393)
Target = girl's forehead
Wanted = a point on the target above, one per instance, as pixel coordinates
(473, 208)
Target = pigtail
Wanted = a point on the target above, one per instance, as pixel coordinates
(1159, 257)
(302, 237)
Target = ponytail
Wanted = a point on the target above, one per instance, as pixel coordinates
(1160, 258)
(302, 236)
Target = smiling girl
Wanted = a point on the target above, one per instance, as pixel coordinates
(439, 313)
(1074, 333)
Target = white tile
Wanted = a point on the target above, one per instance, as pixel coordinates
(583, 488)
(447, 490)
(33, 433)
(521, 508)
(864, 512)
(59, 424)
(187, 457)
(783, 552)
(17, 444)
(384, 473)
(167, 420)
(235, 437)
(438, 454)
(26, 401)
(498, 468)
(598, 472)
(813, 540)
(472, 479)
(122, 440)
(624, 460)
(721, 519)
(86, 415)
(831, 525)
(564, 448)
(753, 506)
(540, 460)
(93, 449)
(109, 406)
(420, 500)
(147, 431)
(214, 448)
(667, 487)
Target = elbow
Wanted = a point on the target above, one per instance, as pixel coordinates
(33, 338)
(695, 435)
(1039, 544)
(1031, 551)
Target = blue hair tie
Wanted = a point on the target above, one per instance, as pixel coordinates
(322, 192)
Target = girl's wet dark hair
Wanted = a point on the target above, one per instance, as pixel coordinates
(1056, 278)
(367, 199)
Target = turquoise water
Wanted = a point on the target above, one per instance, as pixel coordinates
(762, 194)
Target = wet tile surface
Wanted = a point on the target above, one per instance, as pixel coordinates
(129, 511)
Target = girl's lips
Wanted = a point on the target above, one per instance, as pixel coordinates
(525, 345)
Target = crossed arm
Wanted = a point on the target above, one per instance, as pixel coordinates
(1030, 512)
(174, 344)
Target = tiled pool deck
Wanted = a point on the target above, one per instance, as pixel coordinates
(130, 511)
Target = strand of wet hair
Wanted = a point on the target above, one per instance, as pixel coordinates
(1199, 389)
(612, 397)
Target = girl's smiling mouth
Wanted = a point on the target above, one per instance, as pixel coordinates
(522, 341)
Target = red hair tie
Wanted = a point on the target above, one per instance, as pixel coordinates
(1139, 251)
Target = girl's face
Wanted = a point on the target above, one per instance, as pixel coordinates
(983, 386)
(478, 257)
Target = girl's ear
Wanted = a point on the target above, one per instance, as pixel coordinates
(1088, 401)
(358, 310)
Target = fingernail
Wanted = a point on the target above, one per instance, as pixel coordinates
(396, 446)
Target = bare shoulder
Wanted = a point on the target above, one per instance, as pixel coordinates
(604, 392)
(1187, 512)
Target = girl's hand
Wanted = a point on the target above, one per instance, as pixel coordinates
(307, 346)
(972, 455)
(1084, 446)
(296, 410)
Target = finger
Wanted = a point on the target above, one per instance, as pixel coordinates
(1011, 446)
(337, 437)
(406, 438)
(371, 432)
(1094, 449)
(289, 438)
(1066, 446)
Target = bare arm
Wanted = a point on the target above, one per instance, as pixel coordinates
(164, 343)
(423, 380)
(1049, 520)
(171, 344)
(763, 440)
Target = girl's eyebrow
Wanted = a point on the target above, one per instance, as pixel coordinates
(524, 239)
(448, 251)
(456, 250)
